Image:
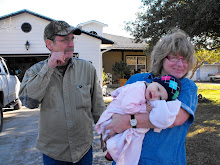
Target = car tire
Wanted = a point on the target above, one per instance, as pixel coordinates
(18, 105)
(1, 118)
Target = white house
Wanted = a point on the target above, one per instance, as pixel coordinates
(22, 44)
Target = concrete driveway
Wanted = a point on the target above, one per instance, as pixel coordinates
(18, 139)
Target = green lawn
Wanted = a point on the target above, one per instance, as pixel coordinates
(210, 91)
(203, 138)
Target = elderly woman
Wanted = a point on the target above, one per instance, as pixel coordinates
(174, 54)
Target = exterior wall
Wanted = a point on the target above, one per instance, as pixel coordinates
(110, 57)
(202, 73)
(93, 27)
(13, 39)
(88, 48)
(148, 63)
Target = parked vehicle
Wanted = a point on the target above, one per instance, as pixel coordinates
(9, 88)
(214, 76)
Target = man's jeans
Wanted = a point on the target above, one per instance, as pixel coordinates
(86, 160)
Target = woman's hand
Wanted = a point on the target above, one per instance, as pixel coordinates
(119, 124)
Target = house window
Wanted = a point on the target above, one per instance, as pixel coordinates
(76, 55)
(94, 32)
(136, 63)
(26, 27)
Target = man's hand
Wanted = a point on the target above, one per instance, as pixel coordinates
(56, 59)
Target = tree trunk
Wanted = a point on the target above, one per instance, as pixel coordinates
(198, 65)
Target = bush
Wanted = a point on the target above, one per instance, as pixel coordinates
(105, 78)
(121, 68)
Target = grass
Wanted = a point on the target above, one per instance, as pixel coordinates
(210, 92)
(203, 138)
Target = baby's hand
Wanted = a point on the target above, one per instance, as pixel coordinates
(148, 107)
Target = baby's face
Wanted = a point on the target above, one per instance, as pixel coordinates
(155, 91)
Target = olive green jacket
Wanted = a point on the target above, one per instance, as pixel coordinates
(69, 104)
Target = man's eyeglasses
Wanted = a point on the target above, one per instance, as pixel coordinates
(176, 59)
(67, 40)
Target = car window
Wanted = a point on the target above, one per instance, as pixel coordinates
(5, 69)
(0, 68)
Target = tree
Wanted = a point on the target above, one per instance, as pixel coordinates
(200, 19)
(203, 56)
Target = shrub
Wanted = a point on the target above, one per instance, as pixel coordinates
(121, 68)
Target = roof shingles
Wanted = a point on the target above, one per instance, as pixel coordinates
(124, 42)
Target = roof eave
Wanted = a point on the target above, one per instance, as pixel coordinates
(104, 40)
(26, 11)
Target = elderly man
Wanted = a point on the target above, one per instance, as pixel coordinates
(70, 96)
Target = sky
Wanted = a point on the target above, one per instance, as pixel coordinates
(110, 12)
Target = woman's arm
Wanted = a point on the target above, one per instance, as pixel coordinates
(120, 123)
(181, 118)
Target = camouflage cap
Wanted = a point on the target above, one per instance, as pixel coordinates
(59, 28)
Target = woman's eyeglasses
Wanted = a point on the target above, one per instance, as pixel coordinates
(176, 59)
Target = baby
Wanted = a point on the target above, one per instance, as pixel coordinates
(131, 99)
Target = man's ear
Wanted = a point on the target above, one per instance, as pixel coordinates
(49, 44)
